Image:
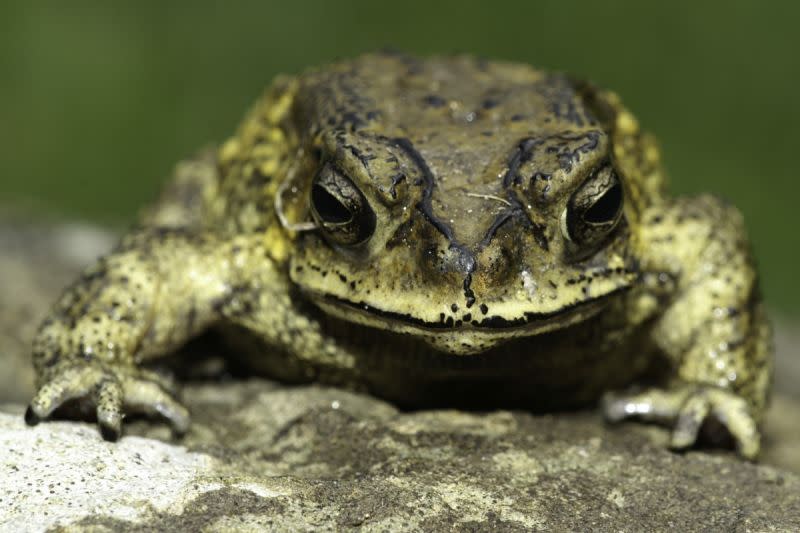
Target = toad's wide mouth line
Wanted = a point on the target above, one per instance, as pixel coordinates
(488, 323)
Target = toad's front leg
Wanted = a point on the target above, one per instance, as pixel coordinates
(714, 328)
(156, 290)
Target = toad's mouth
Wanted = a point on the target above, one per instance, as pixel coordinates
(464, 336)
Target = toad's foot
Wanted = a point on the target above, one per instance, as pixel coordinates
(685, 408)
(113, 391)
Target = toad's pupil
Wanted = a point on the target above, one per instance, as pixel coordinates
(328, 207)
(606, 208)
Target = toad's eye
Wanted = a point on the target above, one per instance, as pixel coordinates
(340, 209)
(593, 210)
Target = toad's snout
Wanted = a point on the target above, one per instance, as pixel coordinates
(475, 257)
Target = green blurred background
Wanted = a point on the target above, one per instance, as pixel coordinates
(99, 99)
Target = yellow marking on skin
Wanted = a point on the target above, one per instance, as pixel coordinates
(230, 150)
(627, 123)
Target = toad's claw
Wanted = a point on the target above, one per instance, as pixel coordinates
(113, 392)
(108, 399)
(150, 398)
(686, 408)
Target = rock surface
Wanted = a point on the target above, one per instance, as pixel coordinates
(308, 458)
(267, 456)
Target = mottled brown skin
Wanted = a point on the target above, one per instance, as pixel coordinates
(442, 231)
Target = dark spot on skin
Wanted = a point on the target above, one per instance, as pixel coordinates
(468, 293)
(258, 180)
(467, 317)
(454, 307)
(53, 358)
(352, 120)
(396, 180)
(489, 103)
(735, 344)
(484, 308)
(434, 100)
(567, 157)
(361, 156)
(517, 118)
(343, 278)
(539, 236)
(352, 285)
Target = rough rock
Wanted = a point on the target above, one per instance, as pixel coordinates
(262, 455)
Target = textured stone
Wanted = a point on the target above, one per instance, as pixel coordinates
(65, 471)
(262, 455)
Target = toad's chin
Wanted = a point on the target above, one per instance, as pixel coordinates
(463, 337)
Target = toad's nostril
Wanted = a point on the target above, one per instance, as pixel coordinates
(459, 259)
